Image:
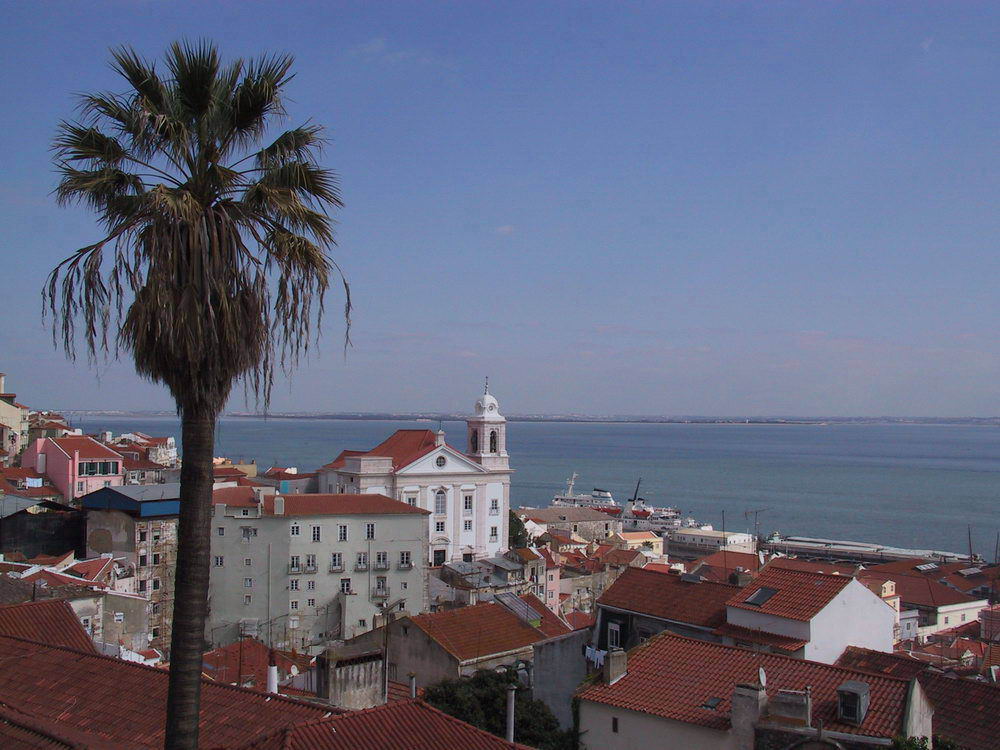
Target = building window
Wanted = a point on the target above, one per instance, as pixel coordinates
(614, 635)
(294, 563)
(156, 558)
(362, 560)
(310, 562)
(143, 561)
(316, 533)
(493, 441)
(362, 623)
(142, 586)
(245, 512)
(342, 533)
(156, 584)
(345, 585)
(411, 501)
(336, 561)
(311, 585)
(404, 559)
(382, 560)
(402, 585)
(493, 533)
(439, 526)
(494, 507)
(248, 599)
(219, 560)
(614, 724)
(467, 525)
(441, 461)
(155, 632)
(474, 441)
(293, 584)
(248, 583)
(369, 531)
(551, 595)
(293, 605)
(295, 529)
(247, 561)
(310, 602)
(142, 536)
(440, 503)
(380, 583)
(79, 486)
(467, 503)
(221, 531)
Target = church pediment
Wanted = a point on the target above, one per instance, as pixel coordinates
(453, 463)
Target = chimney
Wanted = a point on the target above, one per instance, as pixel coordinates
(747, 706)
(272, 672)
(615, 666)
(791, 707)
(279, 505)
(439, 438)
(413, 684)
(3, 381)
(511, 693)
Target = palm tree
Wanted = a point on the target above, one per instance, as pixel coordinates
(211, 270)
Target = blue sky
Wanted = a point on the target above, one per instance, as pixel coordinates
(608, 208)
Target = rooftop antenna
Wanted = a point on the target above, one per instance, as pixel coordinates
(486, 389)
(970, 544)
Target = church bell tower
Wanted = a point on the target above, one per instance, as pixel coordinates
(487, 434)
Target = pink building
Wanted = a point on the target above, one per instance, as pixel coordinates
(75, 464)
(552, 575)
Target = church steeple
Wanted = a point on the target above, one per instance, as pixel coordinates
(487, 431)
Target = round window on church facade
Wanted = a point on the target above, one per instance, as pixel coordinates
(440, 461)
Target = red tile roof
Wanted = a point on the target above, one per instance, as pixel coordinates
(879, 662)
(50, 621)
(141, 464)
(227, 471)
(965, 712)
(742, 636)
(87, 446)
(672, 676)
(403, 447)
(800, 595)
(550, 625)
(124, 703)
(811, 566)
(668, 597)
(246, 662)
(20, 731)
(480, 630)
(400, 725)
(235, 497)
(918, 590)
(579, 620)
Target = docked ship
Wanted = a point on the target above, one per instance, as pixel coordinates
(636, 514)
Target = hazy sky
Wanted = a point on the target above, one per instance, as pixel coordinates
(645, 208)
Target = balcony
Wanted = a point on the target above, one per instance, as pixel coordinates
(380, 593)
(494, 539)
(381, 565)
(361, 567)
(405, 566)
(338, 568)
(309, 568)
(294, 568)
(494, 511)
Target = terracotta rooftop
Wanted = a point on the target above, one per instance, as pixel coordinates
(50, 621)
(88, 447)
(398, 725)
(919, 590)
(579, 620)
(673, 677)
(744, 636)
(794, 594)
(812, 566)
(483, 629)
(879, 662)
(245, 663)
(87, 692)
(403, 447)
(668, 597)
(345, 505)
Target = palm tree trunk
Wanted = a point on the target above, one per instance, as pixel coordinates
(187, 638)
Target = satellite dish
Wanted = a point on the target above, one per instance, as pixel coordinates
(761, 677)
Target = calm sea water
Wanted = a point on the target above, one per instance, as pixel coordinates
(908, 485)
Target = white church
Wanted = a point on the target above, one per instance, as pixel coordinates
(467, 492)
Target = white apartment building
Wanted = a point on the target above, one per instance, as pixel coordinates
(297, 570)
(466, 494)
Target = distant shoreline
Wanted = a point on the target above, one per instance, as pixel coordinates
(583, 419)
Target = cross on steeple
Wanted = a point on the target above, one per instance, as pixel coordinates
(487, 388)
